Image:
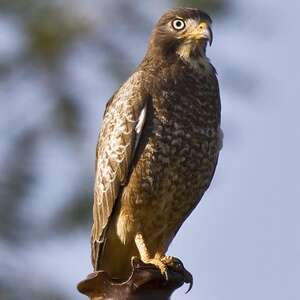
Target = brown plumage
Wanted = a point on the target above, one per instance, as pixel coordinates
(158, 147)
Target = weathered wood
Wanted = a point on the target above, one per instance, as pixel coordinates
(145, 283)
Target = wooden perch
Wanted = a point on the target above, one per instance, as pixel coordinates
(145, 283)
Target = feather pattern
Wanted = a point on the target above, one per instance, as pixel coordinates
(158, 148)
(123, 121)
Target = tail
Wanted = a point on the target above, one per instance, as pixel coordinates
(113, 256)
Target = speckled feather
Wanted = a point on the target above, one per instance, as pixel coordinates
(156, 155)
(115, 149)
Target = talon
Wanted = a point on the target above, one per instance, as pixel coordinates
(173, 262)
(163, 270)
(166, 274)
(160, 265)
(168, 260)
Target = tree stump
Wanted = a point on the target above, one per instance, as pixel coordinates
(145, 283)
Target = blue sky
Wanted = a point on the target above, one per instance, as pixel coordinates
(242, 241)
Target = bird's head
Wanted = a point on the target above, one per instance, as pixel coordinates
(184, 32)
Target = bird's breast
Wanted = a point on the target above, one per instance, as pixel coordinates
(176, 159)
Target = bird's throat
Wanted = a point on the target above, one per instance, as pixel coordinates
(193, 54)
(192, 50)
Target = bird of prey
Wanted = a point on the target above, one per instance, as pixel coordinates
(158, 147)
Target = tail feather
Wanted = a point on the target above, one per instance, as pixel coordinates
(113, 256)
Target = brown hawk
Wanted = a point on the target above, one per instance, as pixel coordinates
(158, 147)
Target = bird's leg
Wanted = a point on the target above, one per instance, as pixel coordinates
(162, 261)
(145, 255)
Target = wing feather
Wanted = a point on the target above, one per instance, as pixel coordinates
(122, 125)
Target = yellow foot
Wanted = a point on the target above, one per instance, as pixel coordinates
(170, 261)
(153, 261)
(159, 264)
(173, 262)
(167, 262)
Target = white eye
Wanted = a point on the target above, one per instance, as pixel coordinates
(178, 24)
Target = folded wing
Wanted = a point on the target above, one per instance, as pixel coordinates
(122, 126)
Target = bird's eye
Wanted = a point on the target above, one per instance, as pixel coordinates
(178, 24)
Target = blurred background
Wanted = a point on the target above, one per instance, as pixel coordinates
(61, 60)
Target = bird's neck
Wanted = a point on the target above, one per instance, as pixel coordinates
(195, 57)
(193, 51)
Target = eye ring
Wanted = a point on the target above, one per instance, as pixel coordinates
(178, 24)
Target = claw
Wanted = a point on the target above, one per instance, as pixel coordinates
(163, 264)
(158, 264)
(163, 270)
(165, 274)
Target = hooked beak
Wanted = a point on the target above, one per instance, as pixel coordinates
(203, 31)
